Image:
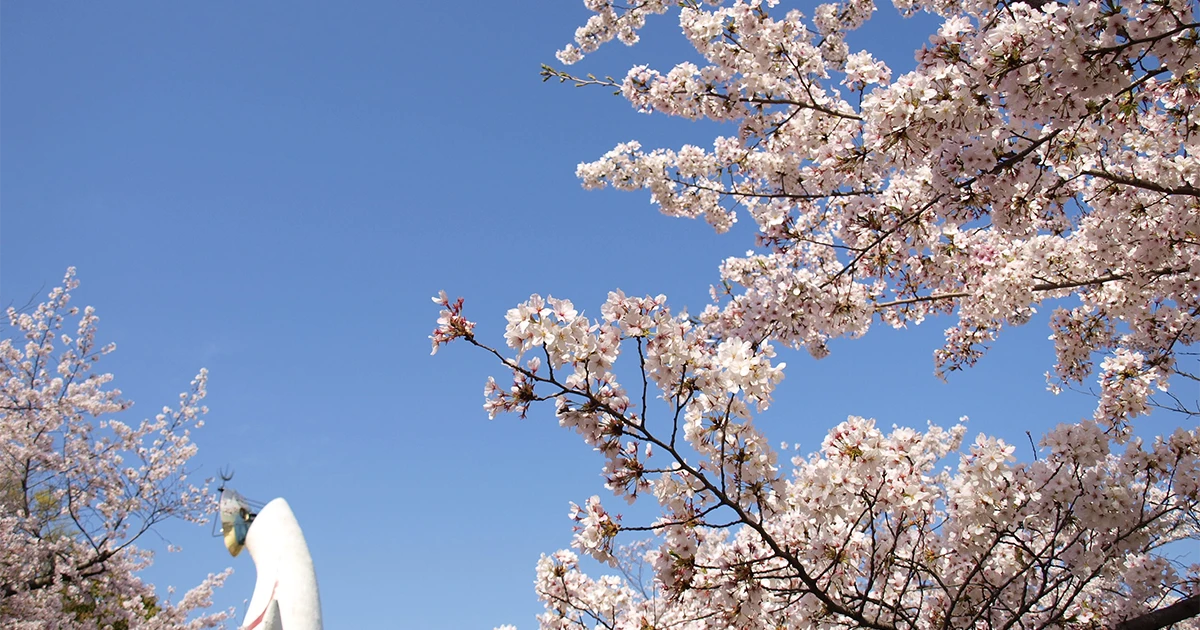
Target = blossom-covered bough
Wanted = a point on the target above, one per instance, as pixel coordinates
(1037, 157)
(79, 486)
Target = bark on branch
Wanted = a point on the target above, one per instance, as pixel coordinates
(1156, 620)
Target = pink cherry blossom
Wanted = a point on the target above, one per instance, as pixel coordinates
(1040, 156)
(80, 485)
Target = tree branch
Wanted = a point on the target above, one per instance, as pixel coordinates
(1185, 608)
(1185, 189)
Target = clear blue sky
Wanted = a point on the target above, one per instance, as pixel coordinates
(274, 192)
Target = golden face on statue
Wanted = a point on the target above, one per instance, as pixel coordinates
(235, 520)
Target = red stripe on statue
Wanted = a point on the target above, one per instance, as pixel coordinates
(263, 614)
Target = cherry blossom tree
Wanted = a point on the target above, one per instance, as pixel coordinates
(79, 486)
(1040, 156)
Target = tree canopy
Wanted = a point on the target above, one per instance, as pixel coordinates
(1040, 156)
(80, 486)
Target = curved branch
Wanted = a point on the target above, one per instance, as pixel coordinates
(1184, 189)
(1185, 608)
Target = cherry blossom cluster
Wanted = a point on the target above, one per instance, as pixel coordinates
(1041, 156)
(596, 530)
(1034, 154)
(451, 324)
(877, 529)
(79, 485)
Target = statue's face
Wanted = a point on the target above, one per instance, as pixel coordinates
(235, 520)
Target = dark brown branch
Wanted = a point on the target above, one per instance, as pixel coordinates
(1112, 277)
(1185, 608)
(1074, 284)
(778, 195)
(766, 100)
(1185, 189)
(1095, 52)
(1012, 160)
(922, 298)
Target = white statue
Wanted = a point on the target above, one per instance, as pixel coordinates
(285, 593)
